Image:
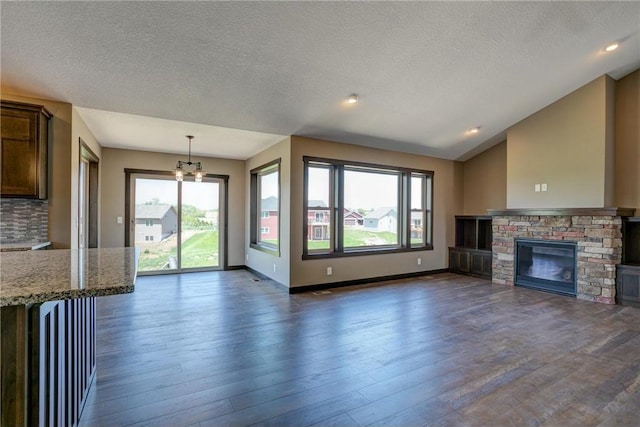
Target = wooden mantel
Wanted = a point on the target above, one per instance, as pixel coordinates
(562, 212)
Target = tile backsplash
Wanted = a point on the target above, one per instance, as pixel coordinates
(23, 220)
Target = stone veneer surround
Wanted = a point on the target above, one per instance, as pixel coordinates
(598, 233)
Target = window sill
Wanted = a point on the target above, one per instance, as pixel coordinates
(271, 250)
(363, 252)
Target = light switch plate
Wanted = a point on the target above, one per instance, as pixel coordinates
(537, 188)
(543, 187)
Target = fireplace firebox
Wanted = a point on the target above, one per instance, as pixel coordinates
(546, 265)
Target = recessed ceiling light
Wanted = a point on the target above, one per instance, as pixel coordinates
(352, 99)
(473, 130)
(611, 47)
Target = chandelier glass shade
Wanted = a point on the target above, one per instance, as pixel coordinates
(189, 167)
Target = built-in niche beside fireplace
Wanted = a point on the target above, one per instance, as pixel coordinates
(546, 265)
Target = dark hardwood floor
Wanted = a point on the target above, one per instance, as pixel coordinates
(218, 349)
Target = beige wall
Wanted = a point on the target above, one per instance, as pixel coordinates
(60, 190)
(566, 145)
(485, 181)
(261, 261)
(627, 157)
(446, 205)
(610, 143)
(115, 161)
(79, 129)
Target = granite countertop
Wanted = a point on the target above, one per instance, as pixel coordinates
(23, 246)
(40, 276)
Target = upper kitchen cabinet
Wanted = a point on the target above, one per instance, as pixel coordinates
(25, 145)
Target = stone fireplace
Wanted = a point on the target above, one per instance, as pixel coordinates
(596, 233)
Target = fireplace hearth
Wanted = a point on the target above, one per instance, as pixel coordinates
(546, 265)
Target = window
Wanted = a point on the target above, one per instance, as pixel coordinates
(421, 198)
(265, 207)
(317, 201)
(148, 238)
(148, 222)
(354, 208)
(375, 193)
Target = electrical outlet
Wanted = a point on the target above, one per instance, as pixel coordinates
(247, 257)
(536, 188)
(329, 271)
(543, 187)
(275, 268)
(119, 220)
(419, 261)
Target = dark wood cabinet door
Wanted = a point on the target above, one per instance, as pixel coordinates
(24, 150)
(487, 264)
(474, 262)
(628, 285)
(459, 261)
(453, 260)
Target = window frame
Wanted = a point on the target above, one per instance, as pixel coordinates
(256, 207)
(336, 208)
(427, 214)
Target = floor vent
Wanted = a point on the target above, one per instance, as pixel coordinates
(321, 292)
(255, 279)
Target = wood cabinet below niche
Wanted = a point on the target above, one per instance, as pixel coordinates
(24, 150)
(472, 253)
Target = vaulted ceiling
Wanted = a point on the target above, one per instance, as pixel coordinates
(242, 75)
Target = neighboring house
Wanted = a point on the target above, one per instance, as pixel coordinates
(416, 225)
(269, 218)
(382, 219)
(318, 220)
(155, 222)
(353, 219)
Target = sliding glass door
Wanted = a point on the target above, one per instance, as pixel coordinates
(156, 223)
(200, 240)
(176, 225)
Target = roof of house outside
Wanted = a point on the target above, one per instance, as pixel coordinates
(381, 213)
(152, 211)
(316, 204)
(352, 214)
(270, 204)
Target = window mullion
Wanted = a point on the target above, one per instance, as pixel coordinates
(338, 205)
(305, 210)
(425, 226)
(404, 204)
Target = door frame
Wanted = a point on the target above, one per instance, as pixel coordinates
(90, 205)
(129, 175)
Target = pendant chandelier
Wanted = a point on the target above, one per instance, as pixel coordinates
(183, 168)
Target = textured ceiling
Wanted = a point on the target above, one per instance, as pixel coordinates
(425, 71)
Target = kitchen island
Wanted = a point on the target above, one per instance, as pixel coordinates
(24, 246)
(47, 304)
